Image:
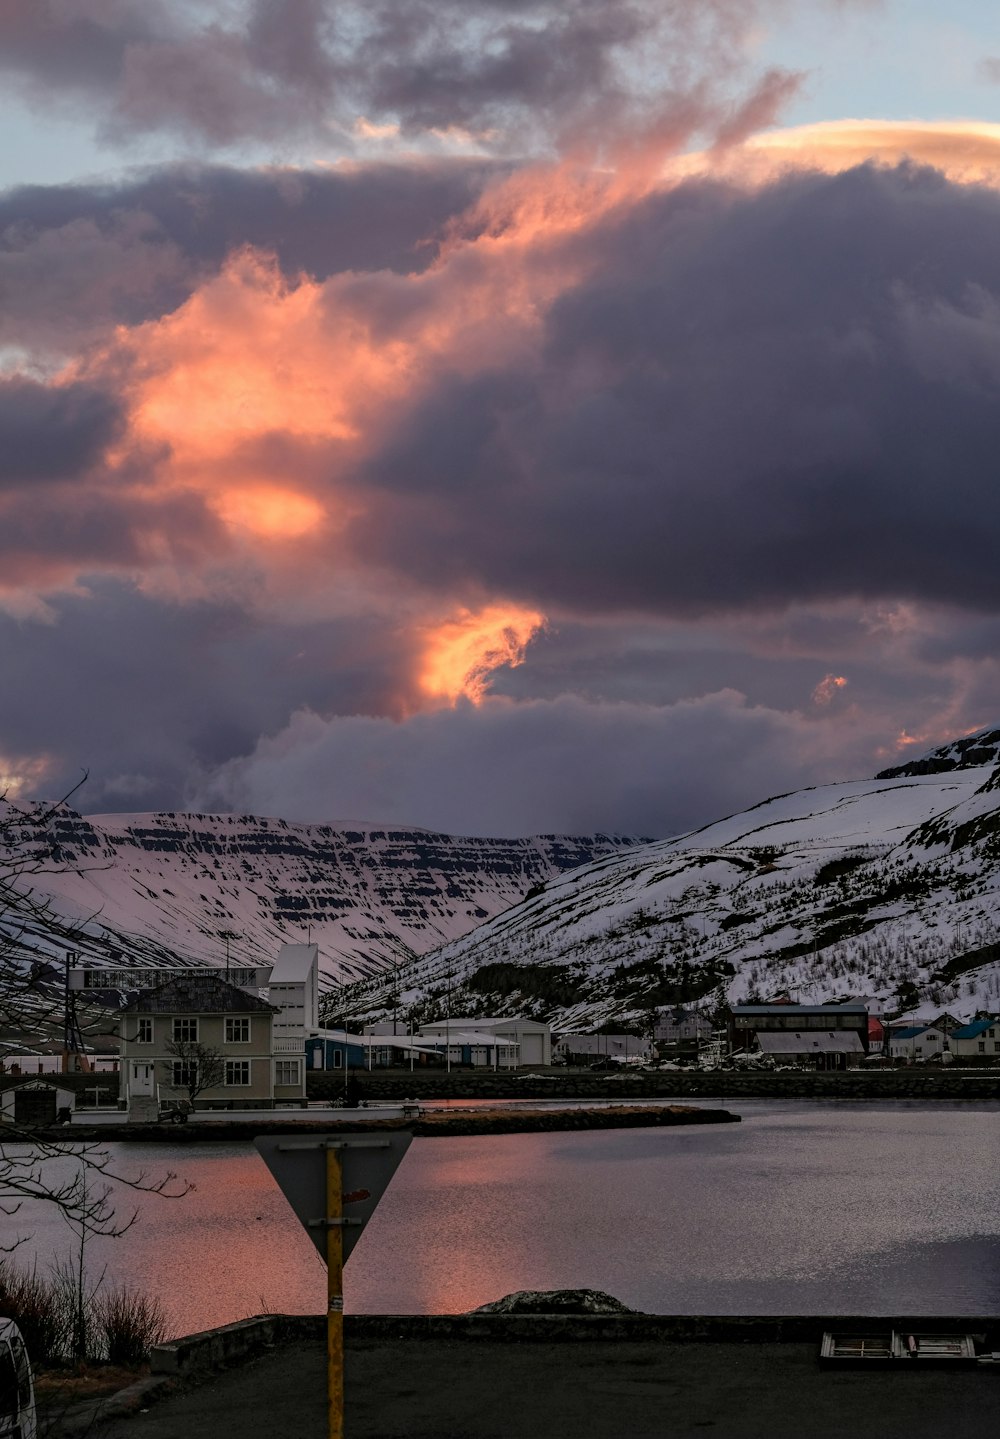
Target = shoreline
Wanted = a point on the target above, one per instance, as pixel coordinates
(437, 1125)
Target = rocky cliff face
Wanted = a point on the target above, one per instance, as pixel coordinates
(164, 886)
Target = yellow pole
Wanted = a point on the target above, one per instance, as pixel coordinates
(334, 1295)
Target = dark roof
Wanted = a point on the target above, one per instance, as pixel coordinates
(786, 1009)
(201, 994)
(973, 1030)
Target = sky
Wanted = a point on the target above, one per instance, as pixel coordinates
(496, 416)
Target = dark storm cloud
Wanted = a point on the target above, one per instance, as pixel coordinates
(268, 70)
(53, 433)
(49, 536)
(751, 399)
(147, 693)
(75, 259)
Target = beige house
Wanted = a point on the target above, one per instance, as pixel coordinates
(167, 1031)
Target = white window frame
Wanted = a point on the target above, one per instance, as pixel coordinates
(144, 1030)
(184, 1029)
(240, 1022)
(293, 1067)
(185, 1073)
(243, 1067)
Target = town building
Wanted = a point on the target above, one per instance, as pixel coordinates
(454, 1041)
(829, 1036)
(294, 992)
(532, 1036)
(978, 1040)
(164, 1028)
(677, 1025)
(336, 1049)
(35, 1102)
(586, 1048)
(917, 1041)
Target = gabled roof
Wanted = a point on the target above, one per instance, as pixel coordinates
(909, 1031)
(201, 994)
(294, 963)
(812, 1041)
(973, 1030)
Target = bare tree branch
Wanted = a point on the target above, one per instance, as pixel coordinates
(80, 1180)
(198, 1067)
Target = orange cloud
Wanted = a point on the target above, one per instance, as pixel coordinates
(827, 688)
(967, 151)
(268, 513)
(462, 654)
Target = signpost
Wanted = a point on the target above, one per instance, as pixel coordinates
(333, 1182)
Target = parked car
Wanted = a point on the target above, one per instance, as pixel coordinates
(17, 1390)
(174, 1111)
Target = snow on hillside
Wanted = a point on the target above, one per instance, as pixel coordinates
(885, 889)
(169, 887)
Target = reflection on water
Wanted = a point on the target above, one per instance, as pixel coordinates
(802, 1208)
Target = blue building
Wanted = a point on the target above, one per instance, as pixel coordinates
(336, 1049)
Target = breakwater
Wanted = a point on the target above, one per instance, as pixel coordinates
(890, 1084)
(440, 1125)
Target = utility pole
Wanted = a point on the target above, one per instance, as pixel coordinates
(227, 935)
(447, 1022)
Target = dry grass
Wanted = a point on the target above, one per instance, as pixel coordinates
(54, 1387)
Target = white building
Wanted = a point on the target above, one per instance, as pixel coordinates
(294, 992)
(532, 1036)
(917, 1041)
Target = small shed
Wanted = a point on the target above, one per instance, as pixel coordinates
(34, 1103)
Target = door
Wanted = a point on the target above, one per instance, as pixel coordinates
(142, 1080)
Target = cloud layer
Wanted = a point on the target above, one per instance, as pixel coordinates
(576, 75)
(606, 488)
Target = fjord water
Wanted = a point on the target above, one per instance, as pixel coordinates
(802, 1208)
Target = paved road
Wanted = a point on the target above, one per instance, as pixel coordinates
(478, 1389)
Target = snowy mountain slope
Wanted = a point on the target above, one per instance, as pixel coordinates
(887, 889)
(165, 887)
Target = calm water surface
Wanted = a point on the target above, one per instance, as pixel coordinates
(802, 1208)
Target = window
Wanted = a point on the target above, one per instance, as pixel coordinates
(982, 1046)
(996, 1046)
(338, 1059)
(237, 1030)
(185, 1030)
(145, 1031)
(185, 1074)
(237, 1071)
(286, 1071)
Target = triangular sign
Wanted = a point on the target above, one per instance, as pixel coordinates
(368, 1162)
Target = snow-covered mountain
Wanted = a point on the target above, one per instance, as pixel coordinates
(168, 887)
(886, 889)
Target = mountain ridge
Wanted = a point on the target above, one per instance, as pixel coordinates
(167, 887)
(885, 889)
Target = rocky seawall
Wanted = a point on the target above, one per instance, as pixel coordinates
(971, 1084)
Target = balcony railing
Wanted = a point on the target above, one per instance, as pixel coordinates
(289, 1044)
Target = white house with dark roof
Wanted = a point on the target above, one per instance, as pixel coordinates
(978, 1040)
(917, 1041)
